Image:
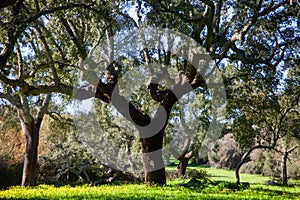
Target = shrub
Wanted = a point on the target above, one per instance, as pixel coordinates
(226, 153)
(10, 174)
(190, 173)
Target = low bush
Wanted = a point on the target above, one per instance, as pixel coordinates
(190, 173)
(10, 174)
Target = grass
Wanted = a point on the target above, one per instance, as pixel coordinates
(219, 185)
(229, 175)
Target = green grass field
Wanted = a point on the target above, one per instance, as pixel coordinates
(219, 185)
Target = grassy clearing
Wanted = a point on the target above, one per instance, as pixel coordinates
(219, 186)
(229, 175)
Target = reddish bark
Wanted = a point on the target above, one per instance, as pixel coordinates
(31, 132)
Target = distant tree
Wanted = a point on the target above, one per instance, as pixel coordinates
(261, 108)
(291, 136)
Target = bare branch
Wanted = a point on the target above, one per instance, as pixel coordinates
(73, 34)
(48, 53)
(293, 148)
(217, 17)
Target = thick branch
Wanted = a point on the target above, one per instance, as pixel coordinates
(245, 156)
(20, 62)
(210, 27)
(184, 84)
(7, 3)
(11, 99)
(44, 106)
(48, 53)
(24, 112)
(73, 34)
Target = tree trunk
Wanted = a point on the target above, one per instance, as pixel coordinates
(152, 158)
(183, 163)
(151, 130)
(245, 156)
(242, 161)
(31, 132)
(284, 177)
(182, 157)
(153, 175)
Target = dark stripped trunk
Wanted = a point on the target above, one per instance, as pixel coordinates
(151, 130)
(284, 176)
(31, 131)
(183, 163)
(153, 163)
(152, 158)
(182, 157)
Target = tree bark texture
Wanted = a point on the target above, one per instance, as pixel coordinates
(151, 130)
(153, 163)
(284, 176)
(31, 132)
(152, 159)
(184, 156)
(183, 163)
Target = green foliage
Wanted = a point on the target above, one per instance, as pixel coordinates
(10, 174)
(66, 160)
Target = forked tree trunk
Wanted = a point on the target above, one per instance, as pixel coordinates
(284, 176)
(151, 130)
(31, 131)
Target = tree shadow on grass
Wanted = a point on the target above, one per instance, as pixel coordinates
(205, 185)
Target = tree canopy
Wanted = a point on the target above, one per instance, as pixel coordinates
(255, 44)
